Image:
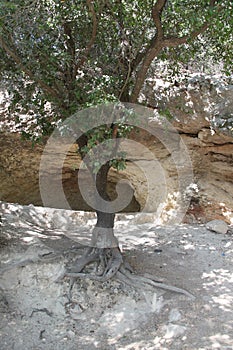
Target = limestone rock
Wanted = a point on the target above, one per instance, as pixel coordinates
(174, 315)
(208, 136)
(217, 226)
(192, 104)
(173, 330)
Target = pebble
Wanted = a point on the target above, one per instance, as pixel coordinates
(173, 330)
(71, 334)
(174, 315)
(218, 226)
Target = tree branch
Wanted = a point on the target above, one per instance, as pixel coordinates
(141, 74)
(139, 54)
(152, 51)
(120, 97)
(159, 6)
(70, 66)
(93, 35)
(158, 42)
(70, 46)
(156, 15)
(175, 41)
(12, 53)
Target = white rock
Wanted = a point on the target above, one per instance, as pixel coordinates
(217, 226)
(71, 334)
(174, 315)
(173, 330)
(125, 316)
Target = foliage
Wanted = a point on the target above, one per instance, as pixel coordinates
(61, 56)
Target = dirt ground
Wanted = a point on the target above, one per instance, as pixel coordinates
(38, 313)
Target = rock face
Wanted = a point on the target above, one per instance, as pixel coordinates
(198, 105)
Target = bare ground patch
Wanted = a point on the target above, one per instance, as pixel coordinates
(38, 313)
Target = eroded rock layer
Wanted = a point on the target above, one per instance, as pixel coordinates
(192, 107)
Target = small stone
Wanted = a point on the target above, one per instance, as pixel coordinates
(173, 331)
(71, 334)
(174, 315)
(218, 226)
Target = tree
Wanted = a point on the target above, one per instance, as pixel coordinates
(75, 54)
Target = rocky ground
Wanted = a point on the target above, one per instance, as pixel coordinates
(38, 313)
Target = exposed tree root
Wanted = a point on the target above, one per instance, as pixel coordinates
(48, 257)
(141, 282)
(109, 261)
(110, 264)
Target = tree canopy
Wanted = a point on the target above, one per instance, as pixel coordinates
(74, 54)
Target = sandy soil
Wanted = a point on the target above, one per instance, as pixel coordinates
(37, 313)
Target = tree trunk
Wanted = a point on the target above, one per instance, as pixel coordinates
(103, 234)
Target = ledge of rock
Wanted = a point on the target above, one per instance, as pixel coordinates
(210, 150)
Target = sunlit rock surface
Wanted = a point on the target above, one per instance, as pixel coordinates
(198, 104)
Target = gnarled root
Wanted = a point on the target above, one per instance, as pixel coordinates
(109, 261)
(110, 264)
(141, 282)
